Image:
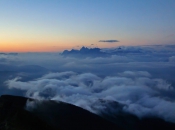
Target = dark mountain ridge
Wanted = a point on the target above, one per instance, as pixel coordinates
(48, 115)
(97, 52)
(51, 115)
(84, 52)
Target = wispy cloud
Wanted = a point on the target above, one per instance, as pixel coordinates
(108, 41)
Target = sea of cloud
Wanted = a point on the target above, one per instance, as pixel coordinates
(142, 82)
(141, 94)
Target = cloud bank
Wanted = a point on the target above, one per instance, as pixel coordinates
(139, 78)
(140, 94)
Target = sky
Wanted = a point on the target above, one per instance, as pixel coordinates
(55, 25)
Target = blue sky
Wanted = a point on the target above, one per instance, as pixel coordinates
(53, 25)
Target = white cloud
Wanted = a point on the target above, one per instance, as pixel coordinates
(141, 94)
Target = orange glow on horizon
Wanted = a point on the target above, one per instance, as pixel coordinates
(58, 46)
(11, 47)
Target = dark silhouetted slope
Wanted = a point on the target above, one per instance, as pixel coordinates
(48, 115)
(51, 115)
(13, 116)
(114, 113)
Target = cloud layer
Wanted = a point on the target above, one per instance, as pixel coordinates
(140, 94)
(139, 78)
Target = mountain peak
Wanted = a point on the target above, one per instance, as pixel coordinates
(85, 52)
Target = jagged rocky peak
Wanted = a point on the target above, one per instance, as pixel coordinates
(84, 48)
(85, 52)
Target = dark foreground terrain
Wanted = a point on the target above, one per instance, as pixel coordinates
(51, 115)
(48, 115)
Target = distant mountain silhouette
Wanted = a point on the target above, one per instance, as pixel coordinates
(96, 52)
(24, 68)
(9, 54)
(122, 50)
(85, 52)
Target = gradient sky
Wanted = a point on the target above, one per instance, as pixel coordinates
(55, 25)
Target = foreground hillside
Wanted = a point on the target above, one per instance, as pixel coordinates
(47, 116)
(51, 115)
